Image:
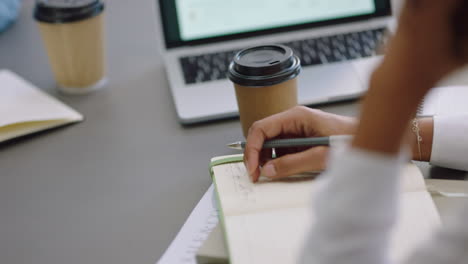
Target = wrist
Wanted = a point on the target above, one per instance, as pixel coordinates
(383, 125)
(423, 150)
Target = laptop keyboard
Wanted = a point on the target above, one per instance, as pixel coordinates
(315, 51)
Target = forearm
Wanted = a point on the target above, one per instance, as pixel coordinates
(388, 107)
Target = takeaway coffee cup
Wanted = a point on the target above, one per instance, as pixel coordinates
(73, 35)
(265, 81)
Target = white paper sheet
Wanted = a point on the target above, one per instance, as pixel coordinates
(194, 232)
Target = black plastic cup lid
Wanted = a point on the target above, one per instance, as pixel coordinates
(64, 11)
(264, 66)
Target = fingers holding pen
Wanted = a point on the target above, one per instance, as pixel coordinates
(259, 132)
(292, 123)
(253, 153)
(299, 121)
(313, 159)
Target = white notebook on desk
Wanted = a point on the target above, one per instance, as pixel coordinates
(268, 222)
(25, 109)
(447, 100)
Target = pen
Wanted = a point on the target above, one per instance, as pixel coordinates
(285, 143)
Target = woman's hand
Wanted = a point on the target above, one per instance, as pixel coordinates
(297, 122)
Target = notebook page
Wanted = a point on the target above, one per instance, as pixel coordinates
(267, 223)
(25, 128)
(278, 236)
(418, 218)
(412, 179)
(268, 236)
(238, 195)
(21, 102)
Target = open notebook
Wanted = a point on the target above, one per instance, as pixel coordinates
(267, 222)
(24, 109)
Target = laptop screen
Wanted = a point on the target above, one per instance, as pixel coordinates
(202, 21)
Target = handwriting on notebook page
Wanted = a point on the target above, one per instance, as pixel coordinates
(242, 184)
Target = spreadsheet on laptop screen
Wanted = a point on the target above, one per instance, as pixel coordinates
(200, 19)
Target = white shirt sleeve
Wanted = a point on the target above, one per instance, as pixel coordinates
(356, 209)
(450, 142)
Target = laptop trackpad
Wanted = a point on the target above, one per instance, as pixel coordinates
(330, 82)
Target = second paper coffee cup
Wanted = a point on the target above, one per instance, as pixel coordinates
(265, 81)
(73, 35)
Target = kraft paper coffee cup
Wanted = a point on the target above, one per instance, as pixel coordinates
(73, 35)
(265, 81)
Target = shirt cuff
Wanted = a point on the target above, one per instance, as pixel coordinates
(355, 174)
(356, 195)
(450, 142)
(367, 166)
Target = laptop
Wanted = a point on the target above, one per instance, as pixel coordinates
(336, 40)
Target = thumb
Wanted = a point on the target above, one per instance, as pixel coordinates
(313, 159)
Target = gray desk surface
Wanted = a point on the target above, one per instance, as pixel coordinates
(117, 187)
